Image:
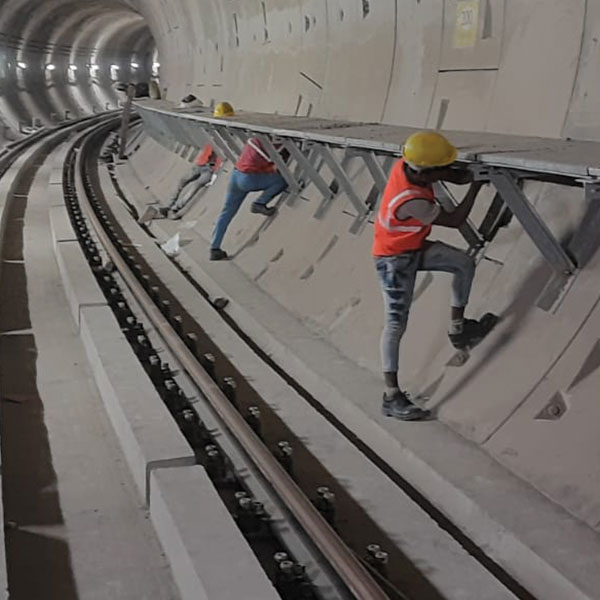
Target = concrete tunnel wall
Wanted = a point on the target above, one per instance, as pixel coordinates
(526, 67)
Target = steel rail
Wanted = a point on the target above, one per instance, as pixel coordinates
(346, 565)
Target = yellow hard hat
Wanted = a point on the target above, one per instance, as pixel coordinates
(224, 109)
(428, 149)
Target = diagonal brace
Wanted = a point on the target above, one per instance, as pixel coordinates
(281, 165)
(532, 223)
(342, 179)
(308, 168)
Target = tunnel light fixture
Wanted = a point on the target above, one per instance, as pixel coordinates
(115, 67)
(50, 67)
(94, 69)
(135, 65)
(21, 65)
(72, 67)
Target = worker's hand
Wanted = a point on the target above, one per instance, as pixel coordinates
(457, 175)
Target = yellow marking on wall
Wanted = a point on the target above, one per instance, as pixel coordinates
(467, 23)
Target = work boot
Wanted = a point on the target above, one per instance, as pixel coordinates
(218, 254)
(473, 332)
(400, 407)
(263, 209)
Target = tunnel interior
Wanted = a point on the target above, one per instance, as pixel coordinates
(529, 70)
(64, 59)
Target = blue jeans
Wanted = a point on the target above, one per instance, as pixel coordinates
(397, 275)
(240, 185)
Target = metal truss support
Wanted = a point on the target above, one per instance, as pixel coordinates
(377, 172)
(309, 171)
(342, 180)
(281, 165)
(220, 143)
(586, 240)
(508, 187)
(230, 140)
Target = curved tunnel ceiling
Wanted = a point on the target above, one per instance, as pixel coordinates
(47, 48)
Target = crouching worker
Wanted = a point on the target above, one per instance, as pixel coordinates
(206, 165)
(254, 172)
(407, 212)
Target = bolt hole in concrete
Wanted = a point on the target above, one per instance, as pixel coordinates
(38, 563)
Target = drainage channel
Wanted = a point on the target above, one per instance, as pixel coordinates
(288, 576)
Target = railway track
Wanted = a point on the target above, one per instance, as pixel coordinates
(312, 537)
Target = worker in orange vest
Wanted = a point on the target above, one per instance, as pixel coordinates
(207, 163)
(406, 214)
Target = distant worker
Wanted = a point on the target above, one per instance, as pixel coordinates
(205, 167)
(407, 212)
(253, 172)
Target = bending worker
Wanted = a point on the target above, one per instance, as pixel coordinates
(407, 212)
(254, 172)
(206, 165)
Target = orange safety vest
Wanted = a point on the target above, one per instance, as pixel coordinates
(392, 235)
(208, 155)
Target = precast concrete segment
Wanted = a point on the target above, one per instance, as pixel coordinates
(81, 287)
(473, 489)
(148, 435)
(447, 566)
(210, 558)
(410, 61)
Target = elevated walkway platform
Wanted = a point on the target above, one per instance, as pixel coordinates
(570, 158)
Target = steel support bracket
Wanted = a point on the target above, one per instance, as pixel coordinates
(218, 142)
(341, 179)
(281, 165)
(586, 240)
(377, 171)
(308, 168)
(552, 250)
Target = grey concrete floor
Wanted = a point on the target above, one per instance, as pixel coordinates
(77, 528)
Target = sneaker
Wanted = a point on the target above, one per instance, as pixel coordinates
(263, 209)
(400, 407)
(218, 254)
(473, 332)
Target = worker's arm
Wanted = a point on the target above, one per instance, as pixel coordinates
(459, 215)
(457, 175)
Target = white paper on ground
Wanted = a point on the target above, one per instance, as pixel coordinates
(171, 246)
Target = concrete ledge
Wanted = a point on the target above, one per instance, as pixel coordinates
(62, 230)
(210, 558)
(147, 433)
(80, 286)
